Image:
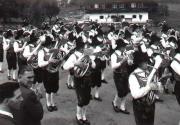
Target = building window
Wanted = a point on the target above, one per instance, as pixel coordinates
(122, 16)
(134, 16)
(96, 6)
(114, 6)
(121, 5)
(101, 17)
(140, 5)
(133, 5)
(103, 6)
(113, 17)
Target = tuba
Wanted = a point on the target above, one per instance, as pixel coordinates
(83, 65)
(82, 68)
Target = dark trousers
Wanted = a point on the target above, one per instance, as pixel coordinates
(51, 81)
(177, 91)
(11, 60)
(144, 114)
(121, 83)
(37, 75)
(83, 90)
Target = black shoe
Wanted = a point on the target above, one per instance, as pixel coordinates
(9, 77)
(15, 80)
(98, 99)
(49, 108)
(124, 112)
(54, 108)
(159, 100)
(104, 81)
(86, 122)
(116, 108)
(79, 121)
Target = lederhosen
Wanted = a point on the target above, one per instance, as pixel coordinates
(96, 74)
(144, 107)
(83, 88)
(22, 61)
(11, 58)
(37, 71)
(1, 49)
(50, 80)
(120, 76)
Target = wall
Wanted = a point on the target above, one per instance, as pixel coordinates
(127, 17)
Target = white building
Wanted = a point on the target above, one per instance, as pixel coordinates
(132, 11)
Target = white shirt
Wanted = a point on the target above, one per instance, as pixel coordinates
(69, 64)
(6, 44)
(27, 53)
(41, 55)
(136, 90)
(114, 63)
(6, 113)
(176, 65)
(17, 48)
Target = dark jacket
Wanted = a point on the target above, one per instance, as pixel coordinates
(31, 109)
(6, 120)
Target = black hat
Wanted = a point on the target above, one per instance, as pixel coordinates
(8, 34)
(7, 90)
(120, 43)
(140, 57)
(19, 34)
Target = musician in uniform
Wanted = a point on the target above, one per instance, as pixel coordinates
(19, 46)
(97, 42)
(50, 80)
(10, 55)
(119, 65)
(31, 50)
(1, 51)
(141, 87)
(82, 83)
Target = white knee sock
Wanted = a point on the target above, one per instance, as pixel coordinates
(79, 112)
(1, 66)
(52, 99)
(48, 102)
(9, 72)
(123, 103)
(115, 101)
(84, 109)
(96, 92)
(14, 74)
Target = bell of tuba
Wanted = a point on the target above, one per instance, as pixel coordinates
(82, 68)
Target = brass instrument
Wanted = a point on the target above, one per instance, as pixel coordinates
(32, 61)
(82, 68)
(60, 56)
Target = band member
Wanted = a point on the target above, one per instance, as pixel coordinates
(10, 55)
(1, 51)
(50, 80)
(119, 64)
(97, 41)
(30, 50)
(19, 46)
(141, 87)
(82, 84)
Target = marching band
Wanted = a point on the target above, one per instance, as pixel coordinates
(141, 61)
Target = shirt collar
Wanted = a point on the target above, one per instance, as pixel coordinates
(6, 113)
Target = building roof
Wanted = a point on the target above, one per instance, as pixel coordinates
(111, 1)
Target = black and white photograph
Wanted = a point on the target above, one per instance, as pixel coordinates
(89, 62)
